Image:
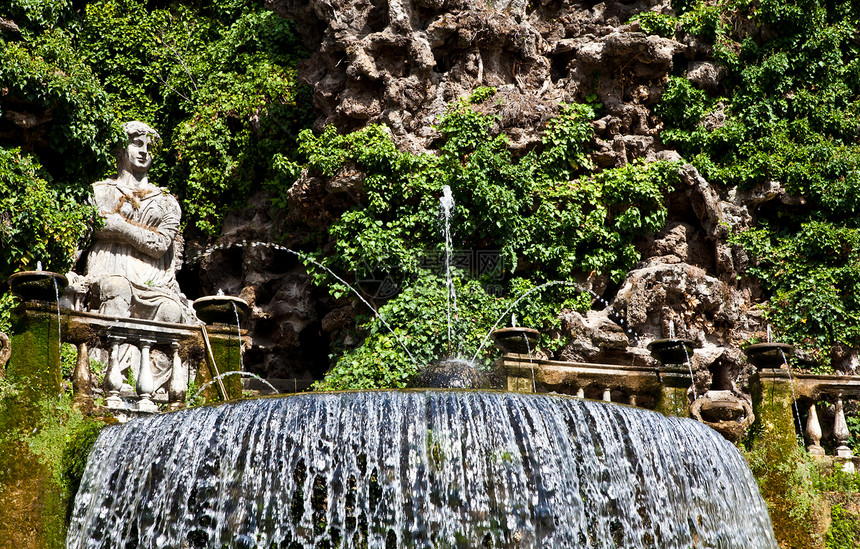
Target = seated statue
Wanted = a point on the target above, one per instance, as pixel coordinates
(132, 261)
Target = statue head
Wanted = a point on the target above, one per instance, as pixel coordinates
(136, 156)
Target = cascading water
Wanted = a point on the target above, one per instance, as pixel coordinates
(417, 469)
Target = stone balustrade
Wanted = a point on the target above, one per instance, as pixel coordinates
(40, 328)
(817, 397)
(84, 329)
(664, 389)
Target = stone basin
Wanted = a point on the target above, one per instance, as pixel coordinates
(672, 351)
(769, 355)
(221, 309)
(722, 410)
(38, 285)
(513, 340)
(451, 374)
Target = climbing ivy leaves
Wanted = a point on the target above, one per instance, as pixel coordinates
(546, 216)
(528, 209)
(787, 114)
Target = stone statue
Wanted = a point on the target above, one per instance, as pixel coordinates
(132, 261)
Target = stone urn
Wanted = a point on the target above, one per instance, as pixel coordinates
(222, 309)
(769, 355)
(724, 412)
(452, 373)
(38, 285)
(672, 351)
(516, 340)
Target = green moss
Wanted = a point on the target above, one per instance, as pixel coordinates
(43, 440)
(786, 474)
(673, 401)
(75, 454)
(34, 367)
(227, 355)
(40, 466)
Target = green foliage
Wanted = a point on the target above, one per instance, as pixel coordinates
(653, 22)
(218, 81)
(844, 531)
(46, 73)
(76, 450)
(526, 209)
(419, 317)
(544, 214)
(68, 359)
(787, 113)
(814, 277)
(37, 223)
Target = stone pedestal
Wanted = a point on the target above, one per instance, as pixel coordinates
(34, 364)
(32, 504)
(226, 351)
(672, 399)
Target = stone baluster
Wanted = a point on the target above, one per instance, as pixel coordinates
(841, 434)
(607, 394)
(82, 381)
(840, 430)
(145, 382)
(813, 431)
(178, 379)
(113, 378)
(580, 393)
(632, 400)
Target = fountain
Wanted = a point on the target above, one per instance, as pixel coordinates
(417, 469)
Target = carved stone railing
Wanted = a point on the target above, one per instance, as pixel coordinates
(805, 393)
(84, 329)
(39, 328)
(664, 389)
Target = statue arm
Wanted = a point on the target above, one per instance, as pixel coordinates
(153, 241)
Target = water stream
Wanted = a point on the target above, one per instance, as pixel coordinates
(239, 334)
(309, 259)
(793, 396)
(219, 377)
(451, 295)
(447, 203)
(419, 469)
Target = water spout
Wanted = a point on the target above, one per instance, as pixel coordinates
(447, 202)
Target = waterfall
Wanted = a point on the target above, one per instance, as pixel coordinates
(417, 469)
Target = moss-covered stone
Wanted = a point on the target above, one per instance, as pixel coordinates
(34, 366)
(37, 423)
(226, 350)
(673, 401)
(784, 471)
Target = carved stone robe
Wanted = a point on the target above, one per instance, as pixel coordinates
(138, 244)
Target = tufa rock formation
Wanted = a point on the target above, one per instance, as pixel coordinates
(400, 62)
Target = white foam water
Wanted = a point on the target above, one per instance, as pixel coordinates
(417, 469)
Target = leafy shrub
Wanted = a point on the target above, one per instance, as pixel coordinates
(544, 214)
(789, 110)
(37, 223)
(844, 531)
(656, 23)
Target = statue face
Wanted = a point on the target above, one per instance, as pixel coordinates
(138, 153)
